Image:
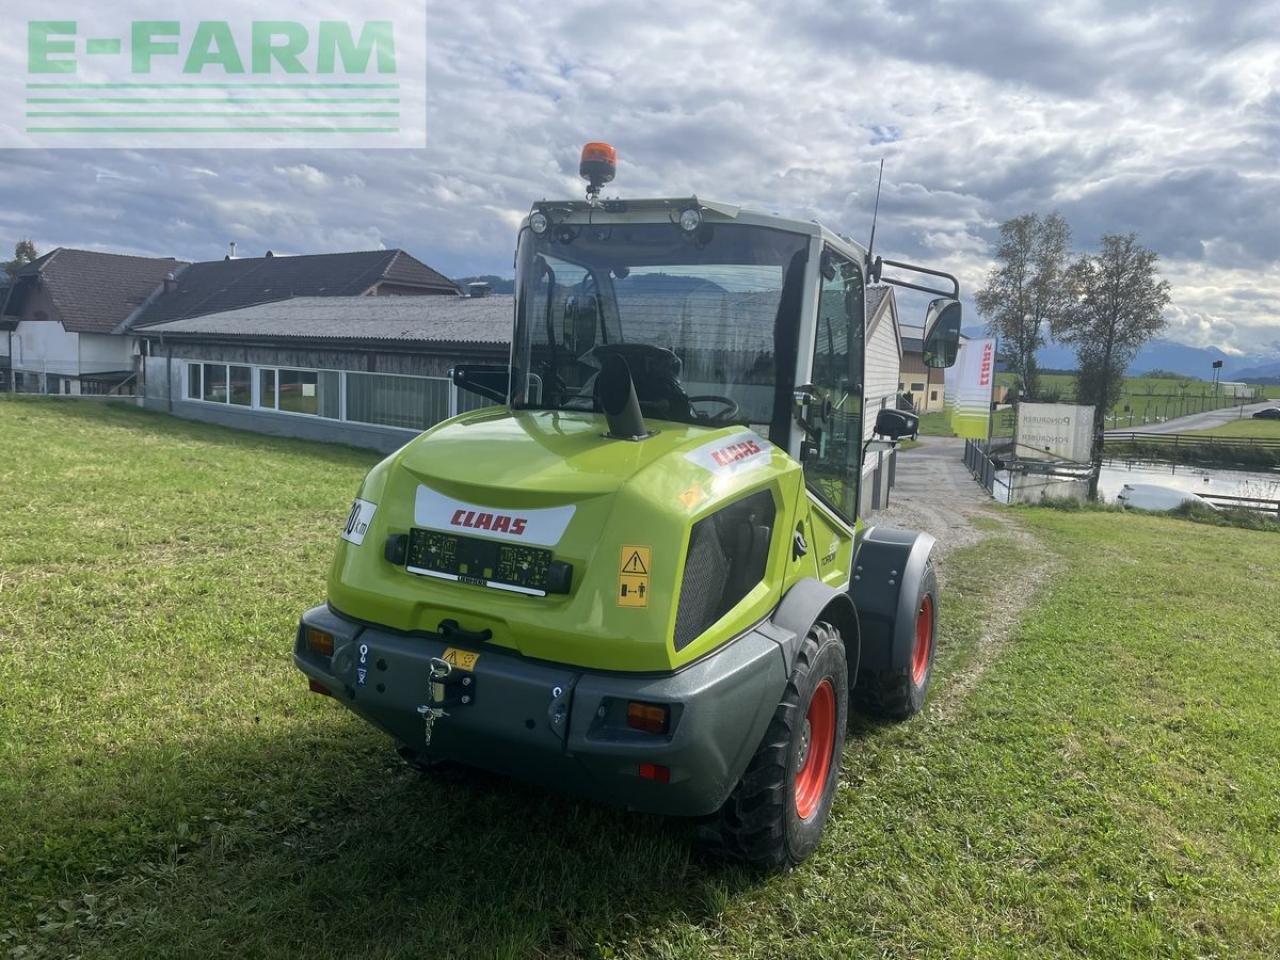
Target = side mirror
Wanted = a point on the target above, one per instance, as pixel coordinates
(942, 333)
(489, 380)
(896, 424)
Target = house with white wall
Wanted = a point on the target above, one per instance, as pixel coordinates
(61, 318)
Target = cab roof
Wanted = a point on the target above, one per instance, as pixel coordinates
(622, 210)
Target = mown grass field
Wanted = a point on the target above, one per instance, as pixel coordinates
(1245, 427)
(1144, 399)
(1104, 787)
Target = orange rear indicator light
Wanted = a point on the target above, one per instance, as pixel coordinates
(320, 641)
(649, 717)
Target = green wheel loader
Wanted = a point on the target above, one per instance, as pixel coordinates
(641, 574)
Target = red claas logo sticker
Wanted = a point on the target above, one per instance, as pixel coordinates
(494, 522)
(544, 526)
(743, 451)
(735, 452)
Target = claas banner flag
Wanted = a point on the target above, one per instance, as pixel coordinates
(968, 389)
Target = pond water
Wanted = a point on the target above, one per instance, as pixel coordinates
(1231, 483)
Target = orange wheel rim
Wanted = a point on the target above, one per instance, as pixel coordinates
(817, 745)
(924, 641)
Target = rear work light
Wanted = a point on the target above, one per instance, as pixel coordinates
(319, 641)
(649, 717)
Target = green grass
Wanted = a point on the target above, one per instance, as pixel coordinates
(1105, 788)
(1245, 427)
(935, 425)
(1144, 399)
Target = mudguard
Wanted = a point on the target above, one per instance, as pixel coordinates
(887, 570)
(808, 601)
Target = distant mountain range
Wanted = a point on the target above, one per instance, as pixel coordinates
(1166, 355)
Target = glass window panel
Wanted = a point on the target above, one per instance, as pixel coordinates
(193, 381)
(267, 388)
(411, 402)
(298, 391)
(833, 467)
(215, 382)
(242, 386)
(329, 390)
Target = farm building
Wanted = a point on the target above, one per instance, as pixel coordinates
(367, 371)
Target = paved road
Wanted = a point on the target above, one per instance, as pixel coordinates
(1198, 421)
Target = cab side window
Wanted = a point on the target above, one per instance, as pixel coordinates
(834, 464)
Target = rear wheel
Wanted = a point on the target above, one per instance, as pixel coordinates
(900, 692)
(776, 814)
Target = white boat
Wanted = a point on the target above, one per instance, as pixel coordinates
(1153, 496)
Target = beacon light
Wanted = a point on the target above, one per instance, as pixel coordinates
(598, 166)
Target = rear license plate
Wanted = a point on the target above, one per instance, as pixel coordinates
(486, 563)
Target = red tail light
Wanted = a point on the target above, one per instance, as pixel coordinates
(655, 772)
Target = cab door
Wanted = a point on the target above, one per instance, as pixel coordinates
(832, 455)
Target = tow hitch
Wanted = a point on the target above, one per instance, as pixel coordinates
(447, 688)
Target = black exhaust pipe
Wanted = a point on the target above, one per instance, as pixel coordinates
(618, 397)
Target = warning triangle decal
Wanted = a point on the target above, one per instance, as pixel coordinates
(634, 564)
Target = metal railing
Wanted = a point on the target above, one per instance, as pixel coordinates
(1257, 504)
(980, 464)
(1190, 441)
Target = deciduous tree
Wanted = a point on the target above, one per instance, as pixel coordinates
(1024, 290)
(24, 251)
(1117, 302)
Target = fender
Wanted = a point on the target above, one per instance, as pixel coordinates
(808, 601)
(887, 569)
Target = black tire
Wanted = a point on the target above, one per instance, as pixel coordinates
(896, 694)
(760, 823)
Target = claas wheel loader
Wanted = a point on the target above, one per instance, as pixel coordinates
(641, 574)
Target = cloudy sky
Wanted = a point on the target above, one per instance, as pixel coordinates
(1157, 117)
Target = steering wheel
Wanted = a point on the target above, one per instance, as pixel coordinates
(731, 408)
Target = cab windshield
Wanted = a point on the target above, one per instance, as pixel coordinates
(707, 320)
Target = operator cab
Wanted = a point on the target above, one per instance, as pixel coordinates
(719, 317)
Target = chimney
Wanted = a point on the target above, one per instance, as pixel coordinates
(478, 289)
(170, 283)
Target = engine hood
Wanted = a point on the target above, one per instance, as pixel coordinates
(548, 454)
(552, 480)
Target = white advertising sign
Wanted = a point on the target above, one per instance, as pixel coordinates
(1055, 431)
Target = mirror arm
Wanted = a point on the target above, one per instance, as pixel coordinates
(881, 263)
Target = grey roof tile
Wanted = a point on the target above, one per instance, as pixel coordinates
(480, 320)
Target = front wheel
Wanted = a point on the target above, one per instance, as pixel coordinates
(777, 813)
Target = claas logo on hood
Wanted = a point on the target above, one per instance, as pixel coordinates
(497, 522)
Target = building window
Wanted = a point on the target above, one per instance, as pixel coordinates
(242, 386)
(412, 402)
(933, 394)
(267, 389)
(917, 387)
(310, 391)
(193, 381)
(215, 382)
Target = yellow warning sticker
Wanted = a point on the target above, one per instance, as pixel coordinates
(634, 565)
(461, 659)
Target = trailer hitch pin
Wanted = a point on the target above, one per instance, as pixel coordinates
(438, 671)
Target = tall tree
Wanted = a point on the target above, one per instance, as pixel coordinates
(24, 251)
(1025, 289)
(1117, 302)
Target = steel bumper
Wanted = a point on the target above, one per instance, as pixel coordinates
(560, 726)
